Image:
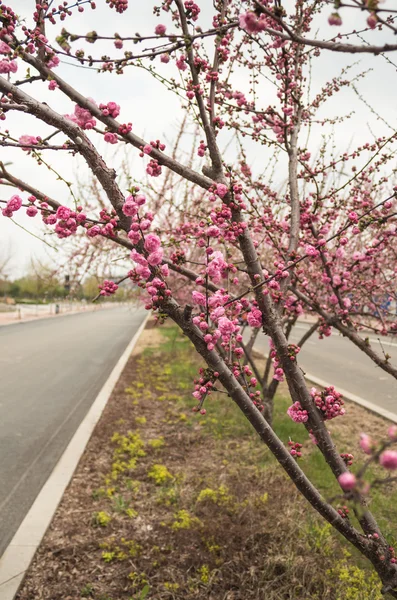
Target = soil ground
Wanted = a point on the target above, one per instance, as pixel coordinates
(169, 504)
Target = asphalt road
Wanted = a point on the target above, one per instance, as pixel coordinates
(50, 371)
(338, 362)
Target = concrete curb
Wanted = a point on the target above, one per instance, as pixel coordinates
(378, 410)
(20, 551)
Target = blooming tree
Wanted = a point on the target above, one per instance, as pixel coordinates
(211, 240)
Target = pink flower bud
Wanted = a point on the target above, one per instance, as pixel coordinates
(335, 19)
(388, 459)
(347, 481)
(372, 21)
(392, 432)
(160, 29)
(366, 443)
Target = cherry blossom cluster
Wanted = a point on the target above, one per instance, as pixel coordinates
(108, 288)
(295, 449)
(203, 387)
(324, 330)
(347, 458)
(29, 140)
(329, 402)
(6, 64)
(202, 148)
(111, 109)
(297, 413)
(107, 225)
(344, 511)
(13, 204)
(254, 317)
(62, 10)
(65, 220)
(120, 6)
(192, 10)
(82, 117)
(278, 370)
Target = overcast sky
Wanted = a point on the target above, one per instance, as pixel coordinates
(155, 113)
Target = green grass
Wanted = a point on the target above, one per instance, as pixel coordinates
(225, 421)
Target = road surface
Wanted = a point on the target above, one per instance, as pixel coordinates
(337, 361)
(50, 371)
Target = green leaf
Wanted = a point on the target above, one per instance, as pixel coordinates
(144, 592)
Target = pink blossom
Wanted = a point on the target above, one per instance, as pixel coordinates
(108, 288)
(392, 433)
(254, 318)
(93, 231)
(165, 271)
(29, 140)
(388, 459)
(221, 190)
(347, 481)
(311, 251)
(8, 66)
(297, 413)
(31, 211)
(251, 23)
(82, 117)
(213, 231)
(14, 203)
(366, 443)
(347, 302)
(118, 44)
(129, 208)
(225, 326)
(155, 258)
(153, 168)
(51, 220)
(372, 21)
(111, 138)
(329, 402)
(199, 298)
(63, 212)
(134, 236)
(217, 266)
(335, 19)
(53, 61)
(110, 109)
(144, 272)
(181, 63)
(138, 258)
(165, 58)
(217, 313)
(152, 242)
(160, 29)
(53, 85)
(4, 48)
(140, 199)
